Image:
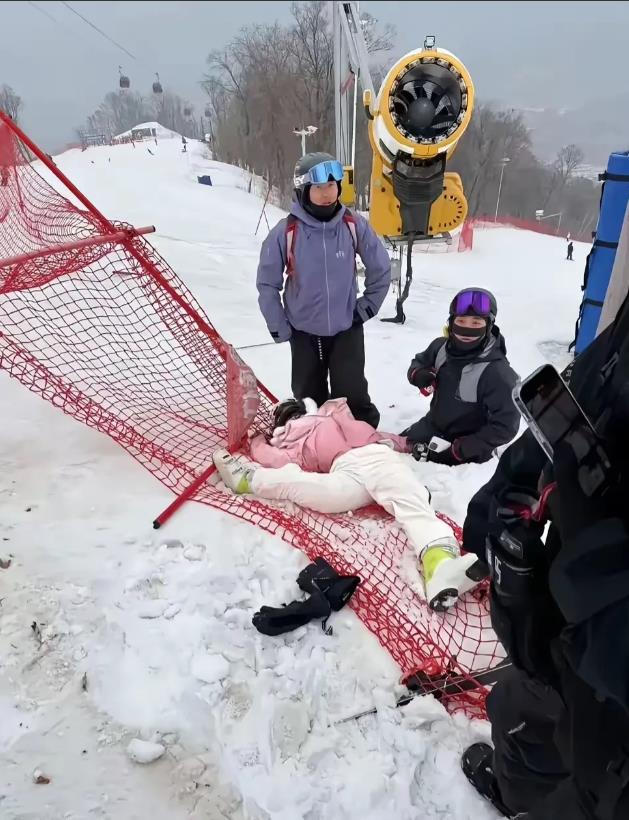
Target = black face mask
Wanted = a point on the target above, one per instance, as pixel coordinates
(323, 213)
(479, 334)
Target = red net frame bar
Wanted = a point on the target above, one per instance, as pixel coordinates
(96, 322)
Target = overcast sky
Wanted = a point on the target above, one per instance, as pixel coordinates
(522, 53)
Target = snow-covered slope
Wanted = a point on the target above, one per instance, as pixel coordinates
(144, 634)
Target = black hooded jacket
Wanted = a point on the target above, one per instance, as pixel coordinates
(472, 405)
(576, 633)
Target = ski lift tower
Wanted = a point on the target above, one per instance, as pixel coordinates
(351, 64)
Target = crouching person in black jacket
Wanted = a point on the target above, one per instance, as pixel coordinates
(469, 375)
(560, 606)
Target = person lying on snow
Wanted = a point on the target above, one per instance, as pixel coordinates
(326, 460)
(470, 379)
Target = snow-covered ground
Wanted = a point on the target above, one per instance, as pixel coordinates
(111, 632)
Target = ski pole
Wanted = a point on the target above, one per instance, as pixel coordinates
(261, 344)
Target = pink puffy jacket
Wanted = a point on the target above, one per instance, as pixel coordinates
(314, 441)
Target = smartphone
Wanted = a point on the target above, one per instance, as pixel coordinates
(553, 415)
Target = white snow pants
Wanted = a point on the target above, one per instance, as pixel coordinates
(358, 478)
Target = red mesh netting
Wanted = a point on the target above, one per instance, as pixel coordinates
(108, 333)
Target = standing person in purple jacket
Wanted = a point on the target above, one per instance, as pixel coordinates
(311, 256)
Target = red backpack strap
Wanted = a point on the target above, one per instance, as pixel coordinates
(291, 230)
(350, 220)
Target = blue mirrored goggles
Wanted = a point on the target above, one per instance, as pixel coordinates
(330, 170)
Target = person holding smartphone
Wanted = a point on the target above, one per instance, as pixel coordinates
(470, 380)
(560, 601)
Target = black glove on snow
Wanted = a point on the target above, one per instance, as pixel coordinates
(271, 620)
(329, 592)
(423, 378)
(321, 576)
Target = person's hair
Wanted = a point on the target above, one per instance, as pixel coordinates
(286, 410)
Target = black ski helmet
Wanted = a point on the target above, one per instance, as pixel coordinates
(302, 166)
(286, 410)
(474, 306)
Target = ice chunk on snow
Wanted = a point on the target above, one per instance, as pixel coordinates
(142, 751)
(173, 609)
(194, 552)
(290, 726)
(152, 608)
(209, 668)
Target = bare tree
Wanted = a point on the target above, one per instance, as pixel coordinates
(228, 76)
(491, 136)
(10, 102)
(378, 38)
(569, 158)
(270, 79)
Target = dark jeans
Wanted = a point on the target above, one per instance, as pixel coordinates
(340, 358)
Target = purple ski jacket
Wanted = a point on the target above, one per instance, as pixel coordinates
(321, 295)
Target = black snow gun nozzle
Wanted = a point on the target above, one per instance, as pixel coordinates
(327, 590)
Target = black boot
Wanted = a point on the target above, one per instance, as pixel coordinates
(477, 765)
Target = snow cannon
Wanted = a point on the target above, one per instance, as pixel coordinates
(422, 110)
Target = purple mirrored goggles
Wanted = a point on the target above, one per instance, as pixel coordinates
(475, 302)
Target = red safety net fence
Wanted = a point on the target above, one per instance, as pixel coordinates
(466, 236)
(96, 322)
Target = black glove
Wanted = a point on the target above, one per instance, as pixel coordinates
(516, 536)
(329, 592)
(271, 620)
(423, 378)
(422, 452)
(446, 457)
(322, 577)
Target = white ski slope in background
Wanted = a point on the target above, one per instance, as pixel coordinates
(158, 626)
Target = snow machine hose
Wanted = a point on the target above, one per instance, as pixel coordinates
(400, 316)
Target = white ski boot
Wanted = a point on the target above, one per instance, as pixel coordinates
(235, 475)
(448, 574)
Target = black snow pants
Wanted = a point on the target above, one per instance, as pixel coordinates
(528, 722)
(342, 359)
(524, 715)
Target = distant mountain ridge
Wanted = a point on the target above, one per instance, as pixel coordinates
(598, 127)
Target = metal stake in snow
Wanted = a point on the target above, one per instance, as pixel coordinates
(443, 685)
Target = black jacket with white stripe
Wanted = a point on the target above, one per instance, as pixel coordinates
(472, 405)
